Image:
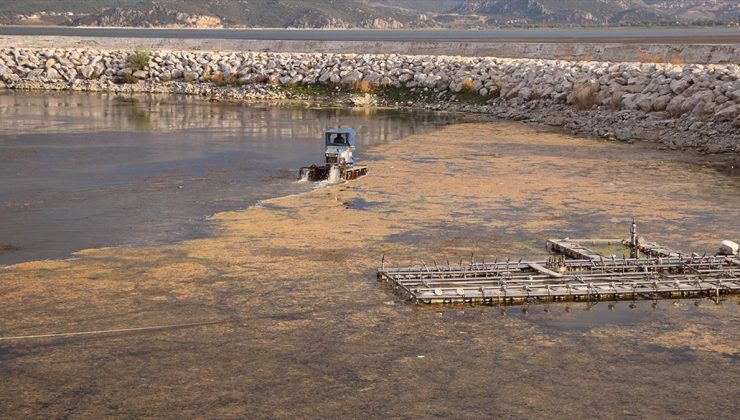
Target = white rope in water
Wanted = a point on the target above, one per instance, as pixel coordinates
(71, 334)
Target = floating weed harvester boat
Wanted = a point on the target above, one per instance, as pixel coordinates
(339, 163)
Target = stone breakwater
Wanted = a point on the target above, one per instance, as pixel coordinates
(682, 105)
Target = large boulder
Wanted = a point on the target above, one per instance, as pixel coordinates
(675, 105)
(141, 74)
(52, 74)
(659, 103)
(352, 77)
(644, 103)
(678, 86)
(373, 77)
(727, 113)
(190, 76)
(325, 77)
(86, 72)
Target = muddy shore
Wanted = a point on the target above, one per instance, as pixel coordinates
(307, 330)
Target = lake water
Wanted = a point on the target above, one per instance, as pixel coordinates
(90, 170)
(307, 330)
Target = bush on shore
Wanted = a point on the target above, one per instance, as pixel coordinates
(139, 60)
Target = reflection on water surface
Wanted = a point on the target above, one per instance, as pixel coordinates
(89, 170)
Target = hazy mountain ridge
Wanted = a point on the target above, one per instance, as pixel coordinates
(602, 12)
(367, 13)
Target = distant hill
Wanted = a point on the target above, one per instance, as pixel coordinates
(604, 12)
(367, 13)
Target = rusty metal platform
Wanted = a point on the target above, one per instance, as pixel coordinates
(560, 279)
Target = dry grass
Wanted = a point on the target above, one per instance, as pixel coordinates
(467, 86)
(585, 96)
(536, 94)
(219, 79)
(362, 86)
(647, 58)
(615, 103)
(260, 79)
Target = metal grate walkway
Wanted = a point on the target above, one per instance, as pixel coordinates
(559, 279)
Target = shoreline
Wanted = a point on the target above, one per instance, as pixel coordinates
(623, 126)
(680, 105)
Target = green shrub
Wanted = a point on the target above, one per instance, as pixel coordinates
(138, 60)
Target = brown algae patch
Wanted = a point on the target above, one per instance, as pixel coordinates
(311, 331)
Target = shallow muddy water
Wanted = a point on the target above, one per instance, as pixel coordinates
(84, 170)
(307, 331)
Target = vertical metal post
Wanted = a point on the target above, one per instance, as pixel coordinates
(633, 238)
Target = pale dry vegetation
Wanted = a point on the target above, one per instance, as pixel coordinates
(467, 86)
(584, 95)
(615, 103)
(363, 86)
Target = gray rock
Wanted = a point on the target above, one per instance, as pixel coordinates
(624, 133)
(373, 77)
(678, 86)
(728, 113)
(644, 103)
(190, 76)
(352, 77)
(325, 77)
(659, 103)
(675, 105)
(87, 72)
(52, 74)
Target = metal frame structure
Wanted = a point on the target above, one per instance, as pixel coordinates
(664, 273)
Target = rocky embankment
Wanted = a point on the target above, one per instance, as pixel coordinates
(681, 105)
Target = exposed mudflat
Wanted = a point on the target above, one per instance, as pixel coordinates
(309, 332)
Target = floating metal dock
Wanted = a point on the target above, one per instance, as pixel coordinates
(577, 249)
(560, 279)
(588, 276)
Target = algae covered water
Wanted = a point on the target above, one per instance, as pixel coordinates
(89, 170)
(306, 330)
